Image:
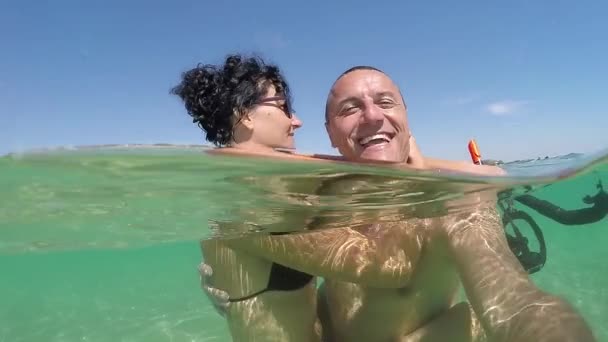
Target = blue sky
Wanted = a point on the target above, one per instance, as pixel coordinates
(524, 78)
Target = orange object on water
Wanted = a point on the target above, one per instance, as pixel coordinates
(474, 151)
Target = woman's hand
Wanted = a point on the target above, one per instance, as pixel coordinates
(415, 158)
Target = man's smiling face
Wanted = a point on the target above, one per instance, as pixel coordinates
(367, 118)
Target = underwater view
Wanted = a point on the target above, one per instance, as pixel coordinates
(102, 243)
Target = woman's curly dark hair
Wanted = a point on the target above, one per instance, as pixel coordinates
(217, 96)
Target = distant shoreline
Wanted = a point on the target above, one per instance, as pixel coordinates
(206, 146)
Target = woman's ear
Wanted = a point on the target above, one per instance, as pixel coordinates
(247, 121)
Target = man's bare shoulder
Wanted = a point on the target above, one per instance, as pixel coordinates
(462, 166)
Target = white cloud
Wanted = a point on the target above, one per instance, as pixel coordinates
(506, 107)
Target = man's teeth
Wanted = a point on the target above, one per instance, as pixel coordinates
(380, 137)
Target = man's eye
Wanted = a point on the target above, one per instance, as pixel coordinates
(349, 109)
(387, 104)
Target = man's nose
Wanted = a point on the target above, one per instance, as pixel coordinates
(372, 113)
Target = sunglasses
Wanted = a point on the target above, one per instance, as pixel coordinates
(267, 101)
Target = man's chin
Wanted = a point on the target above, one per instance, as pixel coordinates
(379, 157)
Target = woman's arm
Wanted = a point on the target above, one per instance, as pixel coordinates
(364, 256)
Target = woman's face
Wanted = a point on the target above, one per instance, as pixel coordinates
(271, 123)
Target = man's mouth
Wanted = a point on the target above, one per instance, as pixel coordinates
(376, 139)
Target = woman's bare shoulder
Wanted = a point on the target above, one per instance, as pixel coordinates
(286, 155)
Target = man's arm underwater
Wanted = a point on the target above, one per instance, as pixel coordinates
(506, 301)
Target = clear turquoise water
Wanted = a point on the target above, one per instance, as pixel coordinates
(104, 246)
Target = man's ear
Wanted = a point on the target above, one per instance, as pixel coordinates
(328, 129)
